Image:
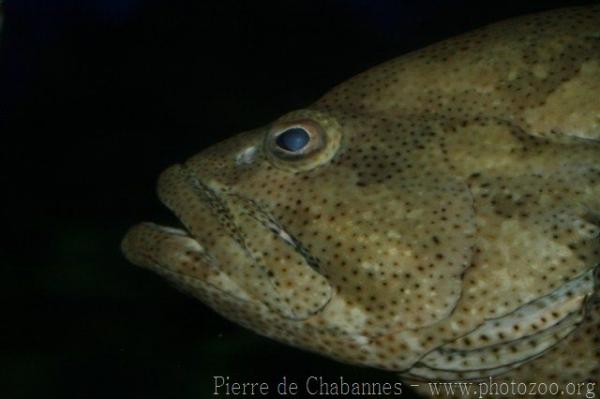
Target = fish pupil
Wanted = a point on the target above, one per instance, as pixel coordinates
(293, 139)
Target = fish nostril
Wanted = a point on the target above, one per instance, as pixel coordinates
(246, 156)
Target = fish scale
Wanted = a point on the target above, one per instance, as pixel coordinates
(529, 319)
(502, 354)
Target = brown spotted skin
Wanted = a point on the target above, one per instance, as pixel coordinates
(442, 222)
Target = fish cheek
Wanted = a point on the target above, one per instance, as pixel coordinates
(395, 254)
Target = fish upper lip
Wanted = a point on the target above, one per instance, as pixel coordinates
(203, 191)
(206, 191)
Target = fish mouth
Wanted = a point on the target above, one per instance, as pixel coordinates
(230, 243)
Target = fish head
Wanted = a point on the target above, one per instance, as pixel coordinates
(322, 230)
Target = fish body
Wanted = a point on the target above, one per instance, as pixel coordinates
(437, 216)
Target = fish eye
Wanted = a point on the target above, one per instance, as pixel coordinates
(302, 140)
(293, 139)
(296, 140)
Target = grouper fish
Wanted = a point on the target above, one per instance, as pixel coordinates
(437, 216)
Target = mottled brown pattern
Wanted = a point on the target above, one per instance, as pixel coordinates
(443, 220)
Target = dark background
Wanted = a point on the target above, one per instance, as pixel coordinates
(96, 98)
